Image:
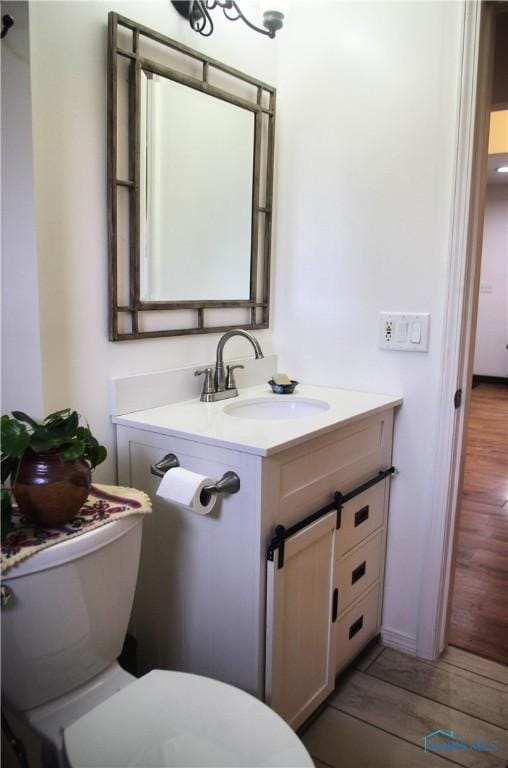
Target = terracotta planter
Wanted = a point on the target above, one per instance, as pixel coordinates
(51, 491)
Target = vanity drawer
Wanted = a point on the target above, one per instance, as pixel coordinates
(360, 517)
(358, 571)
(356, 627)
(305, 478)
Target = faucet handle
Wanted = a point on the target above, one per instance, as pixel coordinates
(230, 376)
(208, 388)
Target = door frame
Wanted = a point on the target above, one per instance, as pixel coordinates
(461, 309)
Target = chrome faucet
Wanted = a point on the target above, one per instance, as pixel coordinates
(219, 383)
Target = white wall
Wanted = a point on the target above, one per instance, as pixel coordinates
(491, 354)
(68, 42)
(367, 118)
(21, 358)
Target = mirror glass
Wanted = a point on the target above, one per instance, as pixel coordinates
(196, 194)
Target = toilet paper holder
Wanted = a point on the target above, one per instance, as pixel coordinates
(228, 484)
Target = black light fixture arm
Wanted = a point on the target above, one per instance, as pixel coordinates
(240, 15)
(200, 19)
(198, 14)
(7, 23)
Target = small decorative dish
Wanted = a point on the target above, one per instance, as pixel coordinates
(283, 389)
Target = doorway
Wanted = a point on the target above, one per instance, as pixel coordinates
(479, 603)
(478, 610)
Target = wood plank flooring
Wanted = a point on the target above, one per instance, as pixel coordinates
(479, 615)
(382, 710)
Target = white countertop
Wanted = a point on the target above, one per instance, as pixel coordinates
(208, 423)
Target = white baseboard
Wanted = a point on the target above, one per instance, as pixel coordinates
(399, 641)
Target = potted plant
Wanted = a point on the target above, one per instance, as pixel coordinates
(48, 465)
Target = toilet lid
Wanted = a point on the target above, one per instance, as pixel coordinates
(178, 719)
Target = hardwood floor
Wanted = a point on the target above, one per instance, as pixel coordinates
(479, 616)
(382, 710)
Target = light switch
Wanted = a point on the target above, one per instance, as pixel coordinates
(401, 331)
(416, 332)
(404, 331)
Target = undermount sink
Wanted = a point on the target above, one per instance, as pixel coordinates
(271, 408)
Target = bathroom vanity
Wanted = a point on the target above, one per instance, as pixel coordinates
(281, 585)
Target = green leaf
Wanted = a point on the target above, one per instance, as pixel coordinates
(83, 433)
(58, 415)
(92, 443)
(102, 453)
(21, 416)
(97, 455)
(6, 506)
(15, 437)
(9, 465)
(72, 450)
(70, 423)
(6, 499)
(56, 434)
(43, 442)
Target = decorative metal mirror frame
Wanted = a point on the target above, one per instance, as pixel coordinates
(258, 303)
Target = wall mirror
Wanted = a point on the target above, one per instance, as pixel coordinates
(190, 177)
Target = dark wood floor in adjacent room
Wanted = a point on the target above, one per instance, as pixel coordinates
(479, 618)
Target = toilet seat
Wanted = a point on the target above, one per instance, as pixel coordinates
(178, 719)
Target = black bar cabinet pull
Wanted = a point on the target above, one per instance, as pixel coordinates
(356, 627)
(335, 605)
(365, 486)
(358, 572)
(362, 515)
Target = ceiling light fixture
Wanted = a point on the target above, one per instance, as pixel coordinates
(198, 14)
(502, 169)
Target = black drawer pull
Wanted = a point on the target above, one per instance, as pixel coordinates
(362, 515)
(335, 605)
(358, 572)
(356, 627)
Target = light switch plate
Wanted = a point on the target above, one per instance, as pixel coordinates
(404, 331)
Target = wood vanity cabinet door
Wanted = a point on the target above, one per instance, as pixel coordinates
(300, 664)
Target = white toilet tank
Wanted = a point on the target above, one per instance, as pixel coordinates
(68, 614)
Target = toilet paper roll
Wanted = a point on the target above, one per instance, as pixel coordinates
(181, 486)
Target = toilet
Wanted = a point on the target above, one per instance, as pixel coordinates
(62, 632)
